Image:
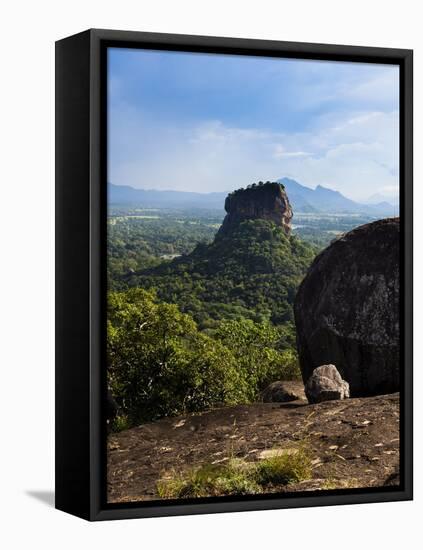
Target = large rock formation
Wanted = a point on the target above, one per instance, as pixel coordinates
(266, 201)
(253, 265)
(347, 309)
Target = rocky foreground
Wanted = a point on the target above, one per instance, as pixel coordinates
(352, 443)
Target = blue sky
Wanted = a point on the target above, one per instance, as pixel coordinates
(203, 122)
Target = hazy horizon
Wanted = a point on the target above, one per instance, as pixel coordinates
(229, 190)
(193, 122)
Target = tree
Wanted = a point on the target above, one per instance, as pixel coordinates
(257, 348)
(158, 362)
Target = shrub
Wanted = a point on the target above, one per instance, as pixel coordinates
(261, 351)
(120, 423)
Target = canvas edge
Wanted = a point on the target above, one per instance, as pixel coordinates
(98, 510)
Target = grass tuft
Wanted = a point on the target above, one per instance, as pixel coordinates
(285, 468)
(119, 424)
(237, 477)
(232, 478)
(331, 483)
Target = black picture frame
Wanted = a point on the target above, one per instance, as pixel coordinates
(81, 201)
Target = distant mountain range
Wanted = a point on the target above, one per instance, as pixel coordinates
(303, 199)
(151, 198)
(324, 200)
(379, 197)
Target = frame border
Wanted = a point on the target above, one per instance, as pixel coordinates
(81, 111)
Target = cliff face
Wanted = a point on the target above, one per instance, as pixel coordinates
(267, 201)
(347, 309)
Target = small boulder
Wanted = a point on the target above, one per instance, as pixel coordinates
(326, 384)
(282, 392)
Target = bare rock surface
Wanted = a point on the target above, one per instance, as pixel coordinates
(267, 201)
(283, 392)
(326, 384)
(348, 306)
(353, 443)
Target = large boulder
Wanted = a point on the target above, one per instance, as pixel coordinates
(282, 392)
(347, 309)
(326, 384)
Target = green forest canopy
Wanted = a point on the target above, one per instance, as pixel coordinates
(210, 327)
(160, 364)
(253, 273)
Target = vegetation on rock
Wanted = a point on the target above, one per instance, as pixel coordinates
(265, 201)
(350, 443)
(237, 476)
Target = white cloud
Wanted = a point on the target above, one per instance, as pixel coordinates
(357, 154)
(382, 87)
(281, 152)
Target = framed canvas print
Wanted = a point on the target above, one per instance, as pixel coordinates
(234, 274)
